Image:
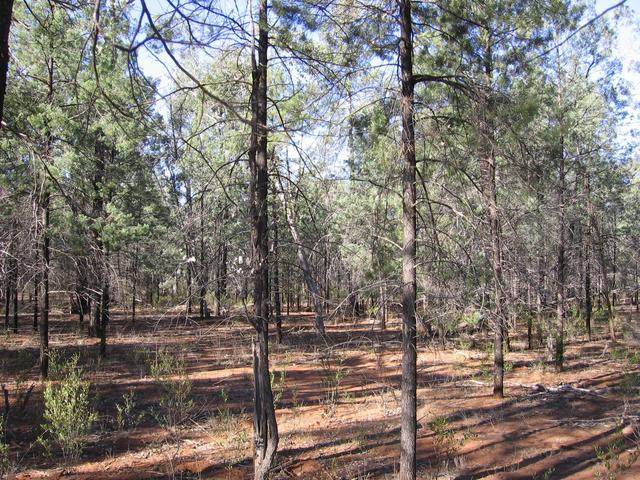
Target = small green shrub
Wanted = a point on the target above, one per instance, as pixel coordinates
(446, 439)
(470, 321)
(5, 459)
(546, 475)
(508, 366)
(126, 417)
(225, 416)
(600, 315)
(619, 354)
(169, 371)
(630, 383)
(68, 417)
(278, 386)
(332, 376)
(559, 350)
(609, 456)
(575, 313)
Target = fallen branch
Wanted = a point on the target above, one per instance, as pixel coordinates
(539, 388)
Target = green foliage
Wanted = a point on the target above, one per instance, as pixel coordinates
(169, 372)
(559, 350)
(611, 465)
(68, 417)
(447, 440)
(508, 366)
(225, 416)
(630, 383)
(471, 320)
(546, 475)
(600, 314)
(278, 386)
(333, 372)
(126, 416)
(5, 459)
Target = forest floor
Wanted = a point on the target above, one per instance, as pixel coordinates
(337, 403)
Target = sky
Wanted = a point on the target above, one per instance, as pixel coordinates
(628, 51)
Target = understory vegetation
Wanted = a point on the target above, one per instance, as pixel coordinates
(319, 239)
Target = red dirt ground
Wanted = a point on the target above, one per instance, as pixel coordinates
(338, 404)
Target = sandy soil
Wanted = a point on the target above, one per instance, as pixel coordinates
(338, 404)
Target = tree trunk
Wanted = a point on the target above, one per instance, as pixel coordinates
(15, 298)
(529, 319)
(7, 301)
(36, 289)
(605, 283)
(43, 326)
(408, 423)
(309, 279)
(489, 192)
(134, 286)
(265, 429)
(104, 308)
(204, 274)
(6, 9)
(560, 278)
(588, 304)
(276, 261)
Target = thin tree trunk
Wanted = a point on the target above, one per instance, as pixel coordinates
(134, 287)
(614, 262)
(489, 192)
(104, 308)
(7, 300)
(529, 319)
(637, 289)
(15, 298)
(204, 274)
(561, 287)
(408, 422)
(276, 262)
(43, 326)
(189, 280)
(6, 9)
(309, 279)
(588, 304)
(605, 283)
(265, 429)
(36, 289)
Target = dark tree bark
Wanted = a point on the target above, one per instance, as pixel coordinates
(104, 308)
(489, 193)
(7, 301)
(43, 326)
(588, 303)
(95, 327)
(36, 289)
(605, 282)
(561, 266)
(276, 260)
(15, 298)
(408, 421)
(6, 9)
(221, 284)
(204, 273)
(529, 319)
(265, 429)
